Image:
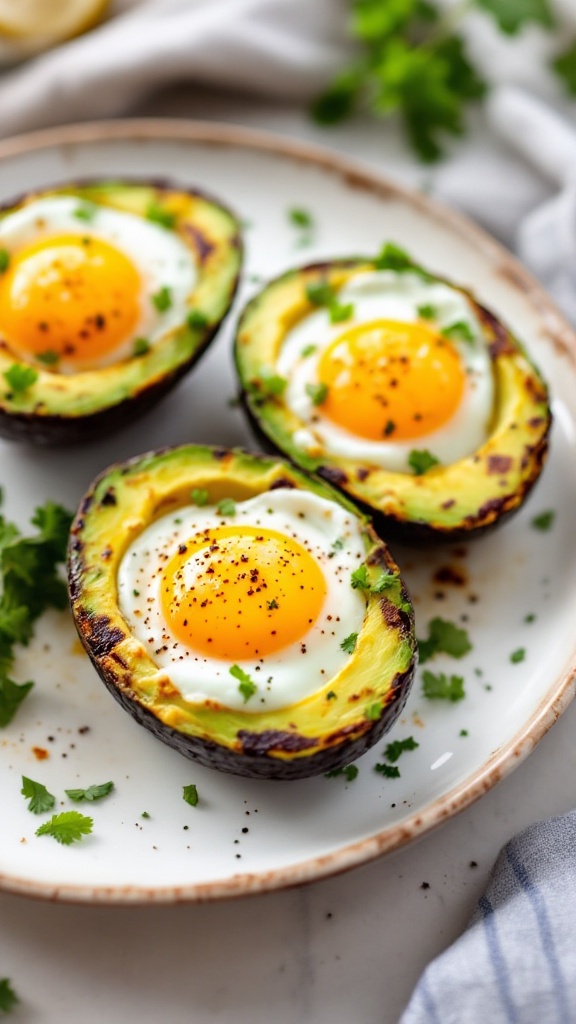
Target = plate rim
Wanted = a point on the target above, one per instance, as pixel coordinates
(559, 333)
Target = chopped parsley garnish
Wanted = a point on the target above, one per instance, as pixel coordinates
(427, 311)
(49, 357)
(393, 257)
(4, 260)
(317, 392)
(301, 218)
(272, 604)
(320, 293)
(245, 685)
(340, 311)
(162, 299)
(442, 687)
(86, 212)
(459, 331)
(421, 461)
(544, 521)
(384, 582)
(444, 637)
(226, 507)
(518, 655)
(308, 350)
(197, 319)
(19, 378)
(8, 997)
(374, 711)
(360, 578)
(463, 732)
(390, 771)
(39, 799)
(200, 496)
(24, 561)
(349, 771)
(349, 642)
(160, 215)
(66, 828)
(91, 793)
(140, 347)
(397, 747)
(190, 795)
(272, 383)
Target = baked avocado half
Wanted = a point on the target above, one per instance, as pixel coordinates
(244, 612)
(109, 292)
(399, 388)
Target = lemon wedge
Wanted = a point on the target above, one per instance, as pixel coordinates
(28, 23)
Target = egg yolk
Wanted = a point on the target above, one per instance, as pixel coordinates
(237, 592)
(69, 297)
(388, 379)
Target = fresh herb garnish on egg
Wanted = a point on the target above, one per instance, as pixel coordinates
(23, 562)
(349, 771)
(339, 312)
(308, 350)
(459, 331)
(544, 521)
(317, 392)
(160, 215)
(226, 507)
(320, 293)
(272, 383)
(49, 357)
(393, 257)
(349, 642)
(421, 461)
(162, 299)
(19, 378)
(200, 496)
(518, 655)
(245, 685)
(444, 637)
(190, 795)
(140, 346)
(39, 799)
(66, 828)
(90, 794)
(397, 747)
(427, 312)
(86, 212)
(360, 578)
(4, 260)
(384, 581)
(442, 687)
(8, 997)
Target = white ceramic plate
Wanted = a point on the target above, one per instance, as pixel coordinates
(246, 836)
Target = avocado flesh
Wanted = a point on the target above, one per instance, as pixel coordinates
(447, 503)
(59, 408)
(327, 730)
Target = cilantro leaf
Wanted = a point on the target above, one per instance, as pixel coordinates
(445, 637)
(200, 496)
(338, 101)
(162, 299)
(226, 507)
(11, 696)
(384, 582)
(301, 218)
(390, 771)
(268, 384)
(19, 377)
(565, 67)
(339, 312)
(459, 331)
(38, 796)
(158, 214)
(349, 642)
(374, 710)
(317, 392)
(66, 828)
(360, 579)
(86, 212)
(8, 997)
(350, 772)
(442, 687)
(4, 260)
(140, 346)
(397, 747)
(512, 15)
(90, 794)
(544, 521)
(190, 794)
(320, 293)
(518, 655)
(246, 686)
(197, 319)
(421, 461)
(427, 311)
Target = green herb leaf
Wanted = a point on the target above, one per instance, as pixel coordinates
(39, 799)
(308, 350)
(90, 794)
(349, 643)
(459, 331)
(49, 357)
(4, 260)
(197, 319)
(422, 461)
(565, 67)
(301, 218)
(140, 346)
(339, 100)
(160, 215)
(427, 312)
(246, 687)
(339, 312)
(8, 997)
(66, 828)
(518, 655)
(393, 257)
(162, 299)
(320, 293)
(397, 747)
(200, 496)
(11, 696)
(513, 15)
(86, 212)
(544, 521)
(389, 771)
(374, 711)
(444, 637)
(317, 392)
(384, 582)
(226, 507)
(442, 687)
(350, 772)
(19, 377)
(190, 795)
(360, 578)
(272, 383)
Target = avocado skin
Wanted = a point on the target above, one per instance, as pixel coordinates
(39, 421)
(270, 745)
(393, 525)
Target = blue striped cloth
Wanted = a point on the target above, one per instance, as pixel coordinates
(516, 962)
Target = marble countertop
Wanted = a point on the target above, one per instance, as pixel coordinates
(346, 948)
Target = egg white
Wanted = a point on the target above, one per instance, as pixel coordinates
(330, 533)
(159, 256)
(389, 295)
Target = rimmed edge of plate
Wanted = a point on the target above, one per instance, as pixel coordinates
(559, 696)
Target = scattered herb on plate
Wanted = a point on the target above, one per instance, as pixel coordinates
(190, 794)
(39, 799)
(439, 686)
(8, 997)
(91, 793)
(444, 637)
(67, 827)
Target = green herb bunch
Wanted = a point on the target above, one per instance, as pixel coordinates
(413, 61)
